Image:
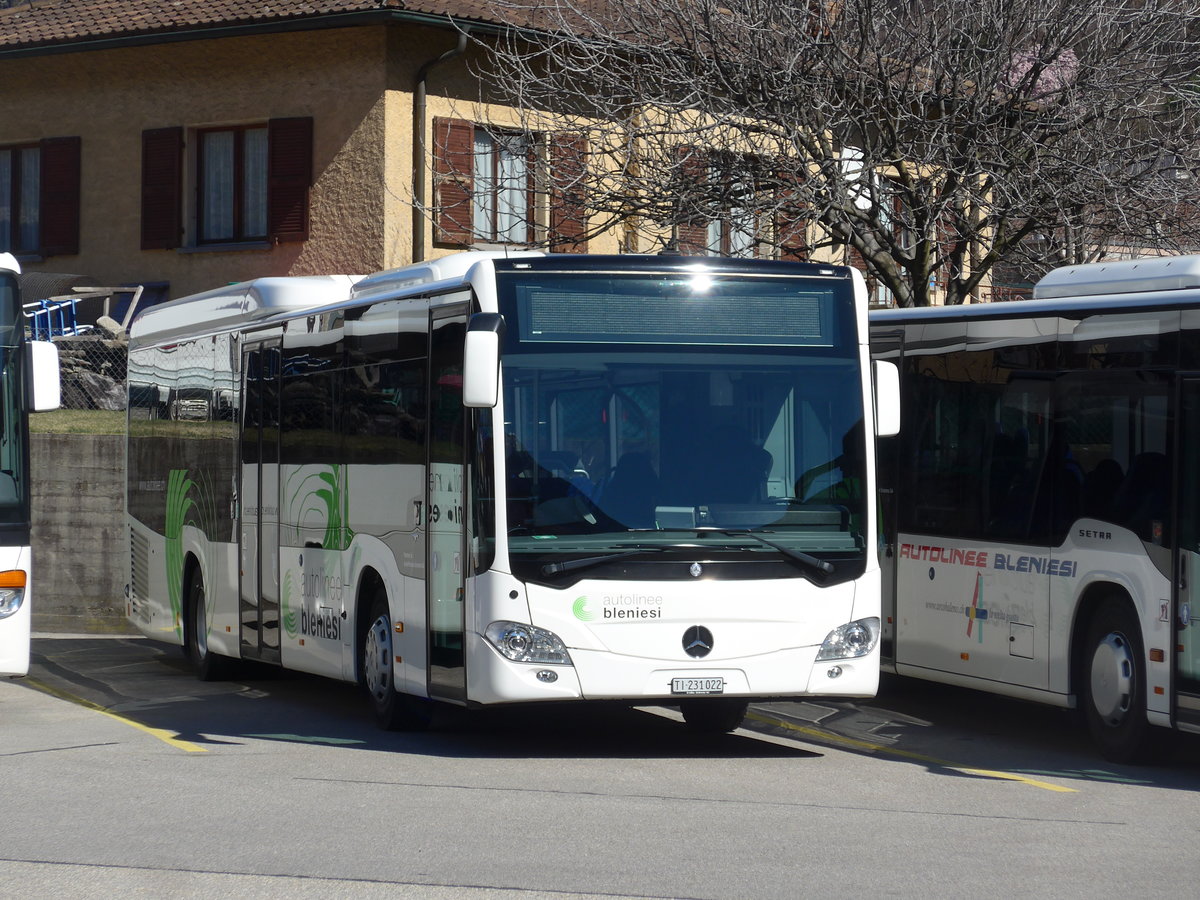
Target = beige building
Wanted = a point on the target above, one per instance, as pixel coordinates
(190, 144)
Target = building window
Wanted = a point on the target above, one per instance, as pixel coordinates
(493, 186)
(251, 184)
(500, 202)
(20, 176)
(231, 185)
(39, 197)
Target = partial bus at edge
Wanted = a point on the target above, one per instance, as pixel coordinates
(1041, 503)
(517, 478)
(29, 381)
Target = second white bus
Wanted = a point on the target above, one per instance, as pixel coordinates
(1042, 502)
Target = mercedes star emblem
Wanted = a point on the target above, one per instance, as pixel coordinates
(697, 641)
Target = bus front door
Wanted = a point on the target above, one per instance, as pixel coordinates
(445, 565)
(258, 604)
(1186, 615)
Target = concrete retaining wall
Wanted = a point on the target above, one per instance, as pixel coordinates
(80, 545)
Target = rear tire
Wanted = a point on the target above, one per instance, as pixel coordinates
(716, 716)
(209, 666)
(1113, 687)
(393, 710)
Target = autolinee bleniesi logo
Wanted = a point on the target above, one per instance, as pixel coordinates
(619, 606)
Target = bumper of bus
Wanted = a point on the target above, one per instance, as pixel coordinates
(607, 676)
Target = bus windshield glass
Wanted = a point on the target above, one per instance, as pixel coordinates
(12, 439)
(670, 411)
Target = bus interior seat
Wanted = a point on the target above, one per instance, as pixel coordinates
(631, 492)
(1142, 498)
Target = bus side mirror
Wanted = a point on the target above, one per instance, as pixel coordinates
(45, 386)
(481, 361)
(887, 398)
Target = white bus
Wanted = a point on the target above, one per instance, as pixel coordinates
(28, 381)
(500, 478)
(1042, 502)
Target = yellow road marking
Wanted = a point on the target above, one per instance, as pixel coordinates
(163, 735)
(918, 757)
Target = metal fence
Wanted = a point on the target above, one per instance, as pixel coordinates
(92, 349)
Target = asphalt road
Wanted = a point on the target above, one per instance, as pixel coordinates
(124, 776)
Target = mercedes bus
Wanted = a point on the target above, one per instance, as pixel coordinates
(508, 478)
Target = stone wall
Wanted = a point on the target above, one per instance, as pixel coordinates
(80, 545)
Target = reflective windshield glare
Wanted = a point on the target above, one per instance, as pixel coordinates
(653, 410)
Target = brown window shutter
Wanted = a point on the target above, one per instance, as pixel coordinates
(59, 196)
(453, 177)
(791, 228)
(692, 235)
(162, 188)
(568, 211)
(289, 176)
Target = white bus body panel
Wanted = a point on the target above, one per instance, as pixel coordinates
(626, 640)
(1000, 617)
(15, 629)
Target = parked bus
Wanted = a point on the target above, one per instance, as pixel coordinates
(499, 478)
(1042, 502)
(29, 381)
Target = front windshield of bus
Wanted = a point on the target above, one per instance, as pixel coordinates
(660, 412)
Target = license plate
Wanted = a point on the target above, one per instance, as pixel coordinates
(697, 685)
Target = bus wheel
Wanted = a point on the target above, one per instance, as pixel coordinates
(1114, 684)
(394, 711)
(209, 666)
(716, 716)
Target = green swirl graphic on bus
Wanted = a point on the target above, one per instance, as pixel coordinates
(580, 608)
(289, 614)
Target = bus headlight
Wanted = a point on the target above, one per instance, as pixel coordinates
(528, 644)
(12, 592)
(851, 640)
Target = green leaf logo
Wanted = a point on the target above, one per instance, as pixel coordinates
(289, 613)
(582, 613)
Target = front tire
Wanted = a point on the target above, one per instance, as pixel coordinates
(716, 716)
(209, 666)
(1114, 684)
(393, 710)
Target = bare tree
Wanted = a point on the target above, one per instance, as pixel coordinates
(927, 140)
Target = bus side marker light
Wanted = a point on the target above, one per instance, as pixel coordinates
(1157, 655)
(399, 628)
(964, 656)
(399, 659)
(1159, 691)
(301, 642)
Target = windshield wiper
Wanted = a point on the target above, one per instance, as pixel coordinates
(806, 559)
(586, 562)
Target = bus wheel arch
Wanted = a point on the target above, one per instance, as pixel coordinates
(1108, 667)
(375, 660)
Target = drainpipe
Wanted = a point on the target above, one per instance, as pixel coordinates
(420, 142)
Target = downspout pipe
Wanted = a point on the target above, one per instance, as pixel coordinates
(420, 142)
